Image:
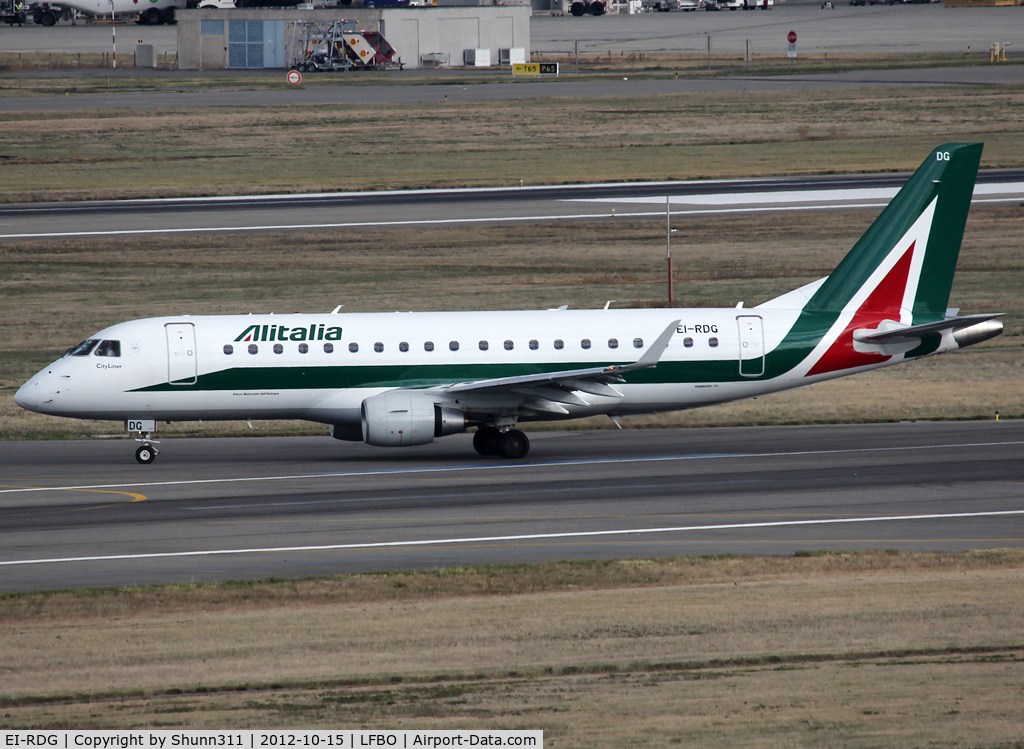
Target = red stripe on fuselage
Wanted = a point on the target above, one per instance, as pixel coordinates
(882, 304)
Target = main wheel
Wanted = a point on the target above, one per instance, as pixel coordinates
(152, 17)
(145, 455)
(513, 445)
(485, 441)
(48, 18)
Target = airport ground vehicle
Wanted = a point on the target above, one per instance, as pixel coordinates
(585, 8)
(13, 12)
(338, 45)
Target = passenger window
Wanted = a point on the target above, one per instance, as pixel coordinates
(613, 343)
(428, 346)
(278, 348)
(638, 343)
(229, 349)
(84, 348)
(403, 347)
(378, 347)
(509, 345)
(109, 348)
(454, 345)
(713, 342)
(559, 343)
(483, 346)
(303, 348)
(688, 342)
(534, 345)
(585, 343)
(328, 348)
(353, 347)
(253, 348)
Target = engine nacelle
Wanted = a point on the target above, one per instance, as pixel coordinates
(982, 331)
(399, 418)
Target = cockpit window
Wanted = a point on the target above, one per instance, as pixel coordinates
(108, 348)
(84, 348)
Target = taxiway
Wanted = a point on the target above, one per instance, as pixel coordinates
(78, 514)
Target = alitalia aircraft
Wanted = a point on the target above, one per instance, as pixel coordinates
(396, 379)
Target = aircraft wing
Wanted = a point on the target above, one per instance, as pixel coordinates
(899, 335)
(595, 375)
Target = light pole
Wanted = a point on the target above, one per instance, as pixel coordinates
(113, 35)
(668, 251)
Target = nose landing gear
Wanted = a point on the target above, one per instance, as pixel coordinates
(144, 428)
(146, 454)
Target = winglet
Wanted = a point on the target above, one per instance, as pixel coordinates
(652, 355)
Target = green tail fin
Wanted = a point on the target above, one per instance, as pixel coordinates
(930, 210)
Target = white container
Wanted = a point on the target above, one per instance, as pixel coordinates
(512, 56)
(477, 58)
(145, 56)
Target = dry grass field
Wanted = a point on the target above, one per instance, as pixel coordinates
(57, 293)
(852, 650)
(275, 149)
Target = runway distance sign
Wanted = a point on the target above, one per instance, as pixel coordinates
(535, 68)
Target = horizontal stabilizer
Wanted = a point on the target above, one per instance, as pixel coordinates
(908, 333)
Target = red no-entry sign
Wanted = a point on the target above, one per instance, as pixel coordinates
(791, 37)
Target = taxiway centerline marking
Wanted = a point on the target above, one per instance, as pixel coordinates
(518, 537)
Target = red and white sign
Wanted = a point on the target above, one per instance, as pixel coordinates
(294, 77)
(791, 37)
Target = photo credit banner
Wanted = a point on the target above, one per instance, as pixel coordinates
(266, 739)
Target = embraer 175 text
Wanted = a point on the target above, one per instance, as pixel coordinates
(406, 379)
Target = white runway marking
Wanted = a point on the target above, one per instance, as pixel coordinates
(423, 222)
(846, 197)
(521, 537)
(506, 466)
(752, 202)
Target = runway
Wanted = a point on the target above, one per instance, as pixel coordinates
(77, 514)
(376, 210)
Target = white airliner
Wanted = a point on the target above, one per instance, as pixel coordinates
(395, 379)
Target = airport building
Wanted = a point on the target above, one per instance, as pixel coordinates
(420, 36)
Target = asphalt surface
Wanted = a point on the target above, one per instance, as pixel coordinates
(490, 89)
(879, 29)
(218, 509)
(377, 210)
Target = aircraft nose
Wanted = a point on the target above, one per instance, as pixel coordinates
(25, 397)
(34, 395)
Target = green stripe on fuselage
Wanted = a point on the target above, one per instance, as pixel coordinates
(798, 343)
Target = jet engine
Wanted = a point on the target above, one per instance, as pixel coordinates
(977, 333)
(399, 418)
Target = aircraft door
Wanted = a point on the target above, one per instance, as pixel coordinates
(751, 345)
(181, 353)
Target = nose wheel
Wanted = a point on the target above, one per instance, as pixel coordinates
(146, 454)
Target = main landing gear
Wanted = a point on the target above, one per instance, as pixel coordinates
(147, 453)
(511, 444)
